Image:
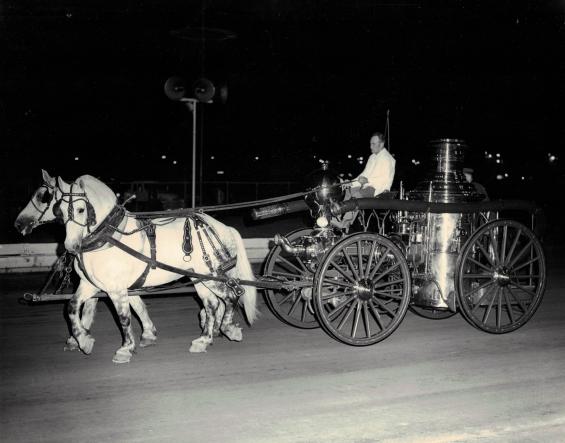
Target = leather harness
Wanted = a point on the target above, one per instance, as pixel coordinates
(103, 235)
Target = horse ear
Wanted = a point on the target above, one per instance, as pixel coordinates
(46, 177)
(62, 184)
(80, 183)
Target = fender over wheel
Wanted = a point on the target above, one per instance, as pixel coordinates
(294, 307)
(500, 276)
(362, 289)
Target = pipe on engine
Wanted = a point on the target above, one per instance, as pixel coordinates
(279, 209)
(287, 247)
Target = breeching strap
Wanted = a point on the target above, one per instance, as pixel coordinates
(227, 280)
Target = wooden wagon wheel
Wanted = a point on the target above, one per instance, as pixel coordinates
(500, 276)
(295, 307)
(362, 289)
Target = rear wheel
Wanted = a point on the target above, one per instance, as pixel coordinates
(292, 307)
(362, 289)
(500, 276)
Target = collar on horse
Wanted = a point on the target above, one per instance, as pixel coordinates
(99, 237)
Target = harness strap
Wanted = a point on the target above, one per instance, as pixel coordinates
(175, 270)
(80, 262)
(149, 228)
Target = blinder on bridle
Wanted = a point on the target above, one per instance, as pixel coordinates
(46, 199)
(90, 212)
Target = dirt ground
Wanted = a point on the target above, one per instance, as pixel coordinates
(431, 381)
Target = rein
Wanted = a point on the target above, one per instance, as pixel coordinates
(48, 189)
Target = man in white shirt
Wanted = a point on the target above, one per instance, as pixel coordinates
(375, 179)
(378, 174)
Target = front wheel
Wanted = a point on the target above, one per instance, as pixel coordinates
(292, 307)
(362, 289)
(500, 276)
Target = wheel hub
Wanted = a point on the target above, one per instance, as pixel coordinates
(364, 289)
(502, 276)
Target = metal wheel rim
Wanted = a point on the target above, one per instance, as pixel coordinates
(289, 307)
(500, 277)
(361, 307)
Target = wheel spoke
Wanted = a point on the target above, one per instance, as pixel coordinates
(498, 309)
(350, 264)
(471, 259)
(376, 315)
(346, 316)
(286, 298)
(485, 253)
(360, 260)
(388, 283)
(294, 305)
(522, 288)
(515, 259)
(494, 241)
(378, 264)
(487, 312)
(477, 276)
(339, 283)
(503, 247)
(289, 264)
(340, 305)
(385, 307)
(356, 320)
(529, 262)
(524, 308)
(370, 260)
(366, 320)
(389, 295)
(478, 288)
(514, 244)
(342, 272)
(382, 274)
(509, 306)
(483, 297)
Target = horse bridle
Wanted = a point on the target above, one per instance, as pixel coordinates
(90, 212)
(50, 191)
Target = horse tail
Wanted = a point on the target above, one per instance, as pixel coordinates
(244, 271)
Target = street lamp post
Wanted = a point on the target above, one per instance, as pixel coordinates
(191, 103)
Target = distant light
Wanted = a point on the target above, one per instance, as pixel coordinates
(552, 158)
(212, 157)
(497, 154)
(174, 162)
(499, 177)
(523, 178)
(220, 172)
(349, 155)
(164, 157)
(314, 156)
(256, 158)
(489, 156)
(118, 194)
(506, 175)
(486, 152)
(498, 160)
(76, 159)
(416, 162)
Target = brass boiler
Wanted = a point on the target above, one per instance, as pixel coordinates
(441, 235)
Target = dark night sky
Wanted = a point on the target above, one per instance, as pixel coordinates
(85, 78)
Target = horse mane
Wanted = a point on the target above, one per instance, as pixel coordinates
(98, 191)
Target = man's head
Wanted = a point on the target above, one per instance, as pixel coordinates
(468, 174)
(377, 142)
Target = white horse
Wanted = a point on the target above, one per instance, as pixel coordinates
(38, 211)
(89, 207)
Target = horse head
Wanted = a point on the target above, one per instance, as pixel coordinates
(39, 209)
(84, 204)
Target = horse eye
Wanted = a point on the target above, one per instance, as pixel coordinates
(80, 210)
(46, 197)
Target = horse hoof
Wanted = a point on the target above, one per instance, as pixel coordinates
(122, 356)
(149, 340)
(197, 346)
(86, 343)
(71, 345)
(234, 334)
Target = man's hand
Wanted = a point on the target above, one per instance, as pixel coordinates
(362, 180)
